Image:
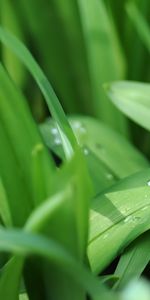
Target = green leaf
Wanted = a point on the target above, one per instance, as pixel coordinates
(117, 218)
(66, 69)
(132, 98)
(26, 244)
(102, 177)
(41, 175)
(23, 297)
(4, 207)
(99, 139)
(19, 136)
(9, 19)
(105, 59)
(133, 261)
(139, 23)
(66, 211)
(10, 279)
(68, 139)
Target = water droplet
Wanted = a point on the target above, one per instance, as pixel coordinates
(57, 141)
(86, 151)
(110, 176)
(132, 219)
(128, 219)
(54, 131)
(80, 127)
(145, 207)
(148, 182)
(77, 125)
(82, 130)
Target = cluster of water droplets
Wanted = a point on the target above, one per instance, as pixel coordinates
(78, 126)
(56, 136)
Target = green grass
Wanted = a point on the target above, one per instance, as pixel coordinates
(74, 150)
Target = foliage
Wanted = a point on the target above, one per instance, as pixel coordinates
(74, 185)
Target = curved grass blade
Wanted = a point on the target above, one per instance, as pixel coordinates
(139, 23)
(104, 57)
(25, 244)
(118, 216)
(133, 261)
(63, 57)
(41, 175)
(10, 279)
(9, 19)
(19, 136)
(66, 212)
(102, 176)
(132, 98)
(68, 139)
(5, 213)
(37, 220)
(99, 139)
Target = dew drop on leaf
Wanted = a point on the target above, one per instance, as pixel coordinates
(148, 182)
(128, 219)
(110, 176)
(86, 151)
(57, 141)
(54, 131)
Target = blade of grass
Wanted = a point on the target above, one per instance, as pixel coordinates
(57, 19)
(19, 136)
(71, 217)
(10, 20)
(25, 244)
(133, 261)
(41, 175)
(139, 23)
(132, 98)
(39, 219)
(68, 139)
(4, 207)
(102, 177)
(10, 279)
(99, 139)
(118, 216)
(104, 64)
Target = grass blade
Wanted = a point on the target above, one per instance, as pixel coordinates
(101, 42)
(117, 218)
(132, 98)
(139, 23)
(25, 244)
(4, 207)
(55, 108)
(10, 279)
(10, 20)
(19, 136)
(99, 139)
(133, 262)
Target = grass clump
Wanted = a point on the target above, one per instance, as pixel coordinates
(74, 186)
